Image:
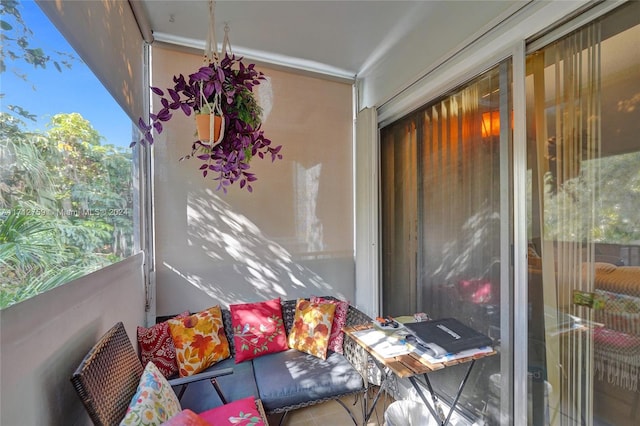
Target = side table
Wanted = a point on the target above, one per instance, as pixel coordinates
(411, 366)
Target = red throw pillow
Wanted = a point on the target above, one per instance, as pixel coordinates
(240, 412)
(258, 329)
(339, 321)
(156, 345)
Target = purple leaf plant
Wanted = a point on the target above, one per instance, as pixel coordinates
(228, 161)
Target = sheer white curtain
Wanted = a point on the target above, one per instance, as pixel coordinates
(460, 199)
(440, 216)
(565, 92)
(399, 211)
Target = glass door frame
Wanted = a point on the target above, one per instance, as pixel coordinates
(520, 311)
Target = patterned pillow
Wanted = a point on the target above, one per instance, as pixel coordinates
(186, 418)
(617, 311)
(241, 412)
(312, 327)
(156, 345)
(154, 401)
(199, 340)
(258, 329)
(339, 321)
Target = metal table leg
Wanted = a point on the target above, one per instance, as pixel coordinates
(383, 384)
(436, 404)
(436, 408)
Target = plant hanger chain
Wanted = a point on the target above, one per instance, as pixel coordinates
(211, 54)
(226, 44)
(211, 44)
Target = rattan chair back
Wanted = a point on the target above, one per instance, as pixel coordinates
(108, 377)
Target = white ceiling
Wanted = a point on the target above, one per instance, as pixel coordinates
(341, 38)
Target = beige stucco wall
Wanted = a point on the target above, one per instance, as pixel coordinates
(43, 339)
(293, 236)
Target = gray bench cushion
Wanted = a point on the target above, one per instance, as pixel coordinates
(199, 397)
(292, 377)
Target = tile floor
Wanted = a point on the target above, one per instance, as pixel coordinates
(332, 413)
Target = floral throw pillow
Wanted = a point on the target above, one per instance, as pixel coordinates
(258, 329)
(312, 327)
(339, 321)
(199, 340)
(156, 345)
(154, 401)
(242, 412)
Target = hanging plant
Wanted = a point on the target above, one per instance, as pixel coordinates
(232, 83)
(222, 90)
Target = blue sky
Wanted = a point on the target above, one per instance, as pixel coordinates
(48, 92)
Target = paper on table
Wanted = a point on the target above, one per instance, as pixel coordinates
(422, 354)
(385, 344)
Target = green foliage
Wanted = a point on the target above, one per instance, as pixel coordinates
(26, 241)
(600, 204)
(16, 39)
(65, 205)
(32, 257)
(247, 108)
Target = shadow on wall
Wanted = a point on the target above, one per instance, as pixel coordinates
(232, 260)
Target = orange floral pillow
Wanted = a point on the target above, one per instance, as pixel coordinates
(312, 327)
(199, 340)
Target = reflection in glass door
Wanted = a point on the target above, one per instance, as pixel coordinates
(583, 154)
(444, 219)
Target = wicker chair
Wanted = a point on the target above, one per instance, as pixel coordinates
(108, 377)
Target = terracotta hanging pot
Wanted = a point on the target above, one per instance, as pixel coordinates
(204, 127)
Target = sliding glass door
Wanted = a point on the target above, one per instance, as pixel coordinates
(441, 207)
(447, 221)
(583, 122)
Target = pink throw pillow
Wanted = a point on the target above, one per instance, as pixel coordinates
(339, 321)
(615, 339)
(240, 412)
(186, 418)
(156, 345)
(258, 329)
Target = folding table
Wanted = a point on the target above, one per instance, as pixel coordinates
(412, 366)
